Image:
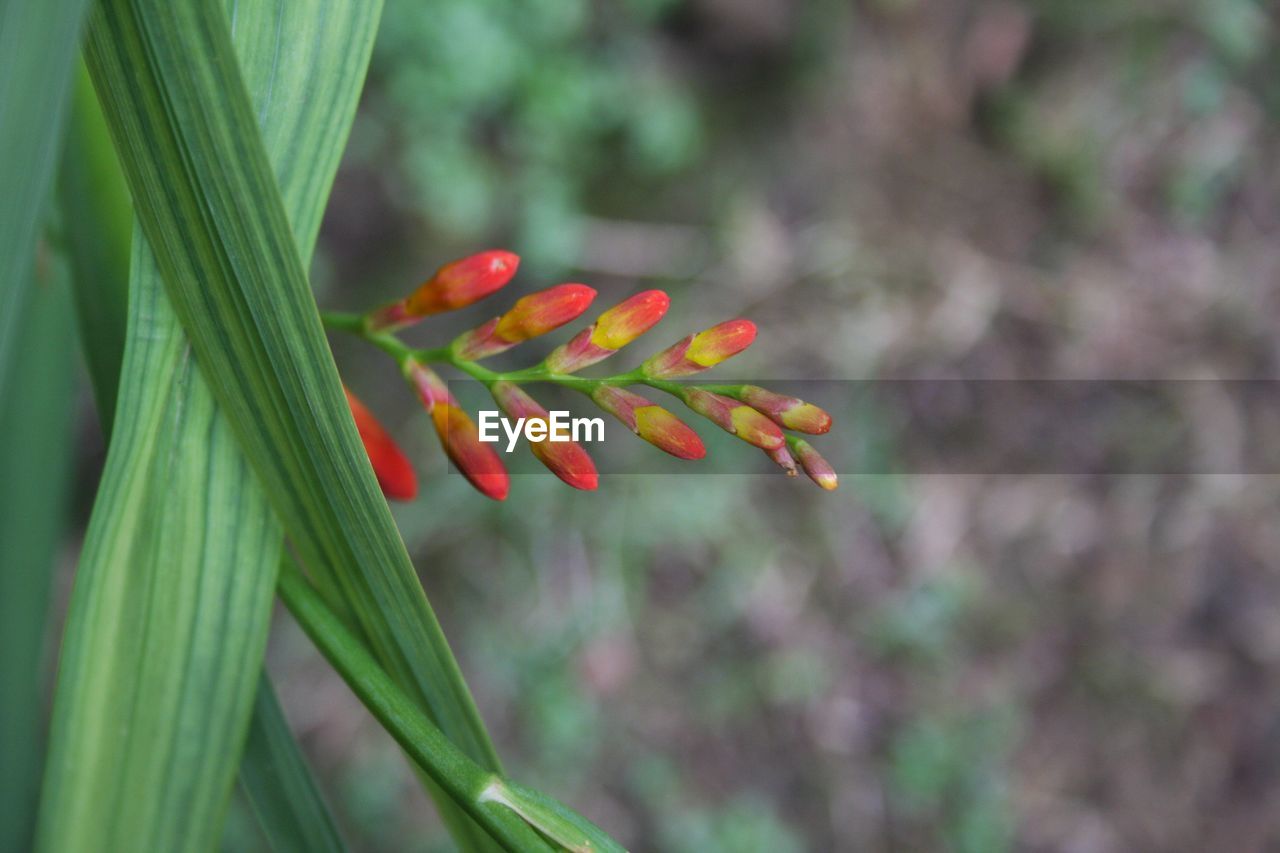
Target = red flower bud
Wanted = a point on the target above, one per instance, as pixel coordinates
(476, 460)
(531, 316)
(651, 422)
(455, 285)
(818, 469)
(705, 349)
(789, 412)
(566, 459)
(390, 465)
(458, 434)
(615, 328)
(735, 418)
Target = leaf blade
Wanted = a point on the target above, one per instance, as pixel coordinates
(35, 454)
(170, 611)
(238, 286)
(37, 52)
(278, 784)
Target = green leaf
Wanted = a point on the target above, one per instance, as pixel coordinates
(172, 601)
(97, 221)
(37, 51)
(465, 781)
(169, 613)
(278, 784)
(209, 206)
(97, 227)
(551, 818)
(35, 468)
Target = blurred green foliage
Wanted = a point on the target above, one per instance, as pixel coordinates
(498, 112)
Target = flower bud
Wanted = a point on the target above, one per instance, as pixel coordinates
(531, 316)
(476, 460)
(566, 459)
(390, 465)
(455, 285)
(782, 456)
(430, 387)
(615, 328)
(735, 418)
(789, 412)
(818, 469)
(705, 349)
(651, 422)
(458, 433)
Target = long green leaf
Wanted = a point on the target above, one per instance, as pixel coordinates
(168, 617)
(37, 52)
(210, 209)
(275, 779)
(464, 780)
(97, 218)
(170, 610)
(35, 457)
(97, 227)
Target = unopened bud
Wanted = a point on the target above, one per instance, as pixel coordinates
(615, 328)
(735, 418)
(789, 412)
(818, 469)
(650, 421)
(390, 466)
(458, 434)
(566, 459)
(455, 285)
(705, 349)
(531, 316)
(784, 460)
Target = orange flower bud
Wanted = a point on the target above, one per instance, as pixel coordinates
(818, 469)
(455, 285)
(458, 284)
(458, 434)
(566, 459)
(705, 349)
(390, 465)
(789, 412)
(531, 316)
(615, 328)
(735, 418)
(651, 422)
(476, 460)
(630, 319)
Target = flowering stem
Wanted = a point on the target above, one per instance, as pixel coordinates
(756, 415)
(495, 803)
(357, 325)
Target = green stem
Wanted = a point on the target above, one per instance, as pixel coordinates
(466, 783)
(357, 325)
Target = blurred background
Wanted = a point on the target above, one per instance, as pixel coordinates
(889, 188)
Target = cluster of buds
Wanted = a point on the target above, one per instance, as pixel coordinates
(753, 414)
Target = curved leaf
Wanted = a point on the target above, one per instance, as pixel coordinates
(171, 605)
